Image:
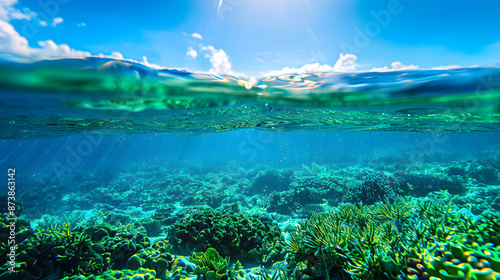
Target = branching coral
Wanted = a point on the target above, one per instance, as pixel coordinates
(60, 250)
(384, 241)
(355, 241)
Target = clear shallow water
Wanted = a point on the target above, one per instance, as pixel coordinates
(151, 154)
(60, 97)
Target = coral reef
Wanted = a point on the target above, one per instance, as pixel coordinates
(383, 218)
(420, 239)
(271, 180)
(125, 274)
(418, 184)
(162, 263)
(245, 238)
(455, 247)
(354, 241)
(58, 251)
(152, 226)
(212, 266)
(370, 187)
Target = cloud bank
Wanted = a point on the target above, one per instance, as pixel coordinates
(345, 63)
(447, 67)
(11, 42)
(8, 12)
(395, 66)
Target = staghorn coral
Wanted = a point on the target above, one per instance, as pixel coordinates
(355, 242)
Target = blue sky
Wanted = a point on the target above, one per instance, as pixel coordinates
(258, 36)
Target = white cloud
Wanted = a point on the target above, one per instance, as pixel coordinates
(13, 44)
(395, 66)
(56, 21)
(50, 49)
(345, 63)
(191, 52)
(117, 55)
(308, 68)
(220, 61)
(8, 12)
(447, 67)
(196, 36)
(25, 14)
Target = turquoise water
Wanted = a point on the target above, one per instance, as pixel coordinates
(109, 153)
(104, 96)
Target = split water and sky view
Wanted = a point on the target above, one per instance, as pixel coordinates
(239, 139)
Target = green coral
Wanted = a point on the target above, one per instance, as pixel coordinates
(295, 200)
(164, 264)
(121, 242)
(355, 241)
(270, 180)
(454, 246)
(421, 184)
(418, 239)
(22, 232)
(152, 226)
(371, 187)
(212, 266)
(60, 251)
(245, 238)
(276, 274)
(125, 274)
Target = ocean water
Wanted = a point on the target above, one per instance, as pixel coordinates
(111, 166)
